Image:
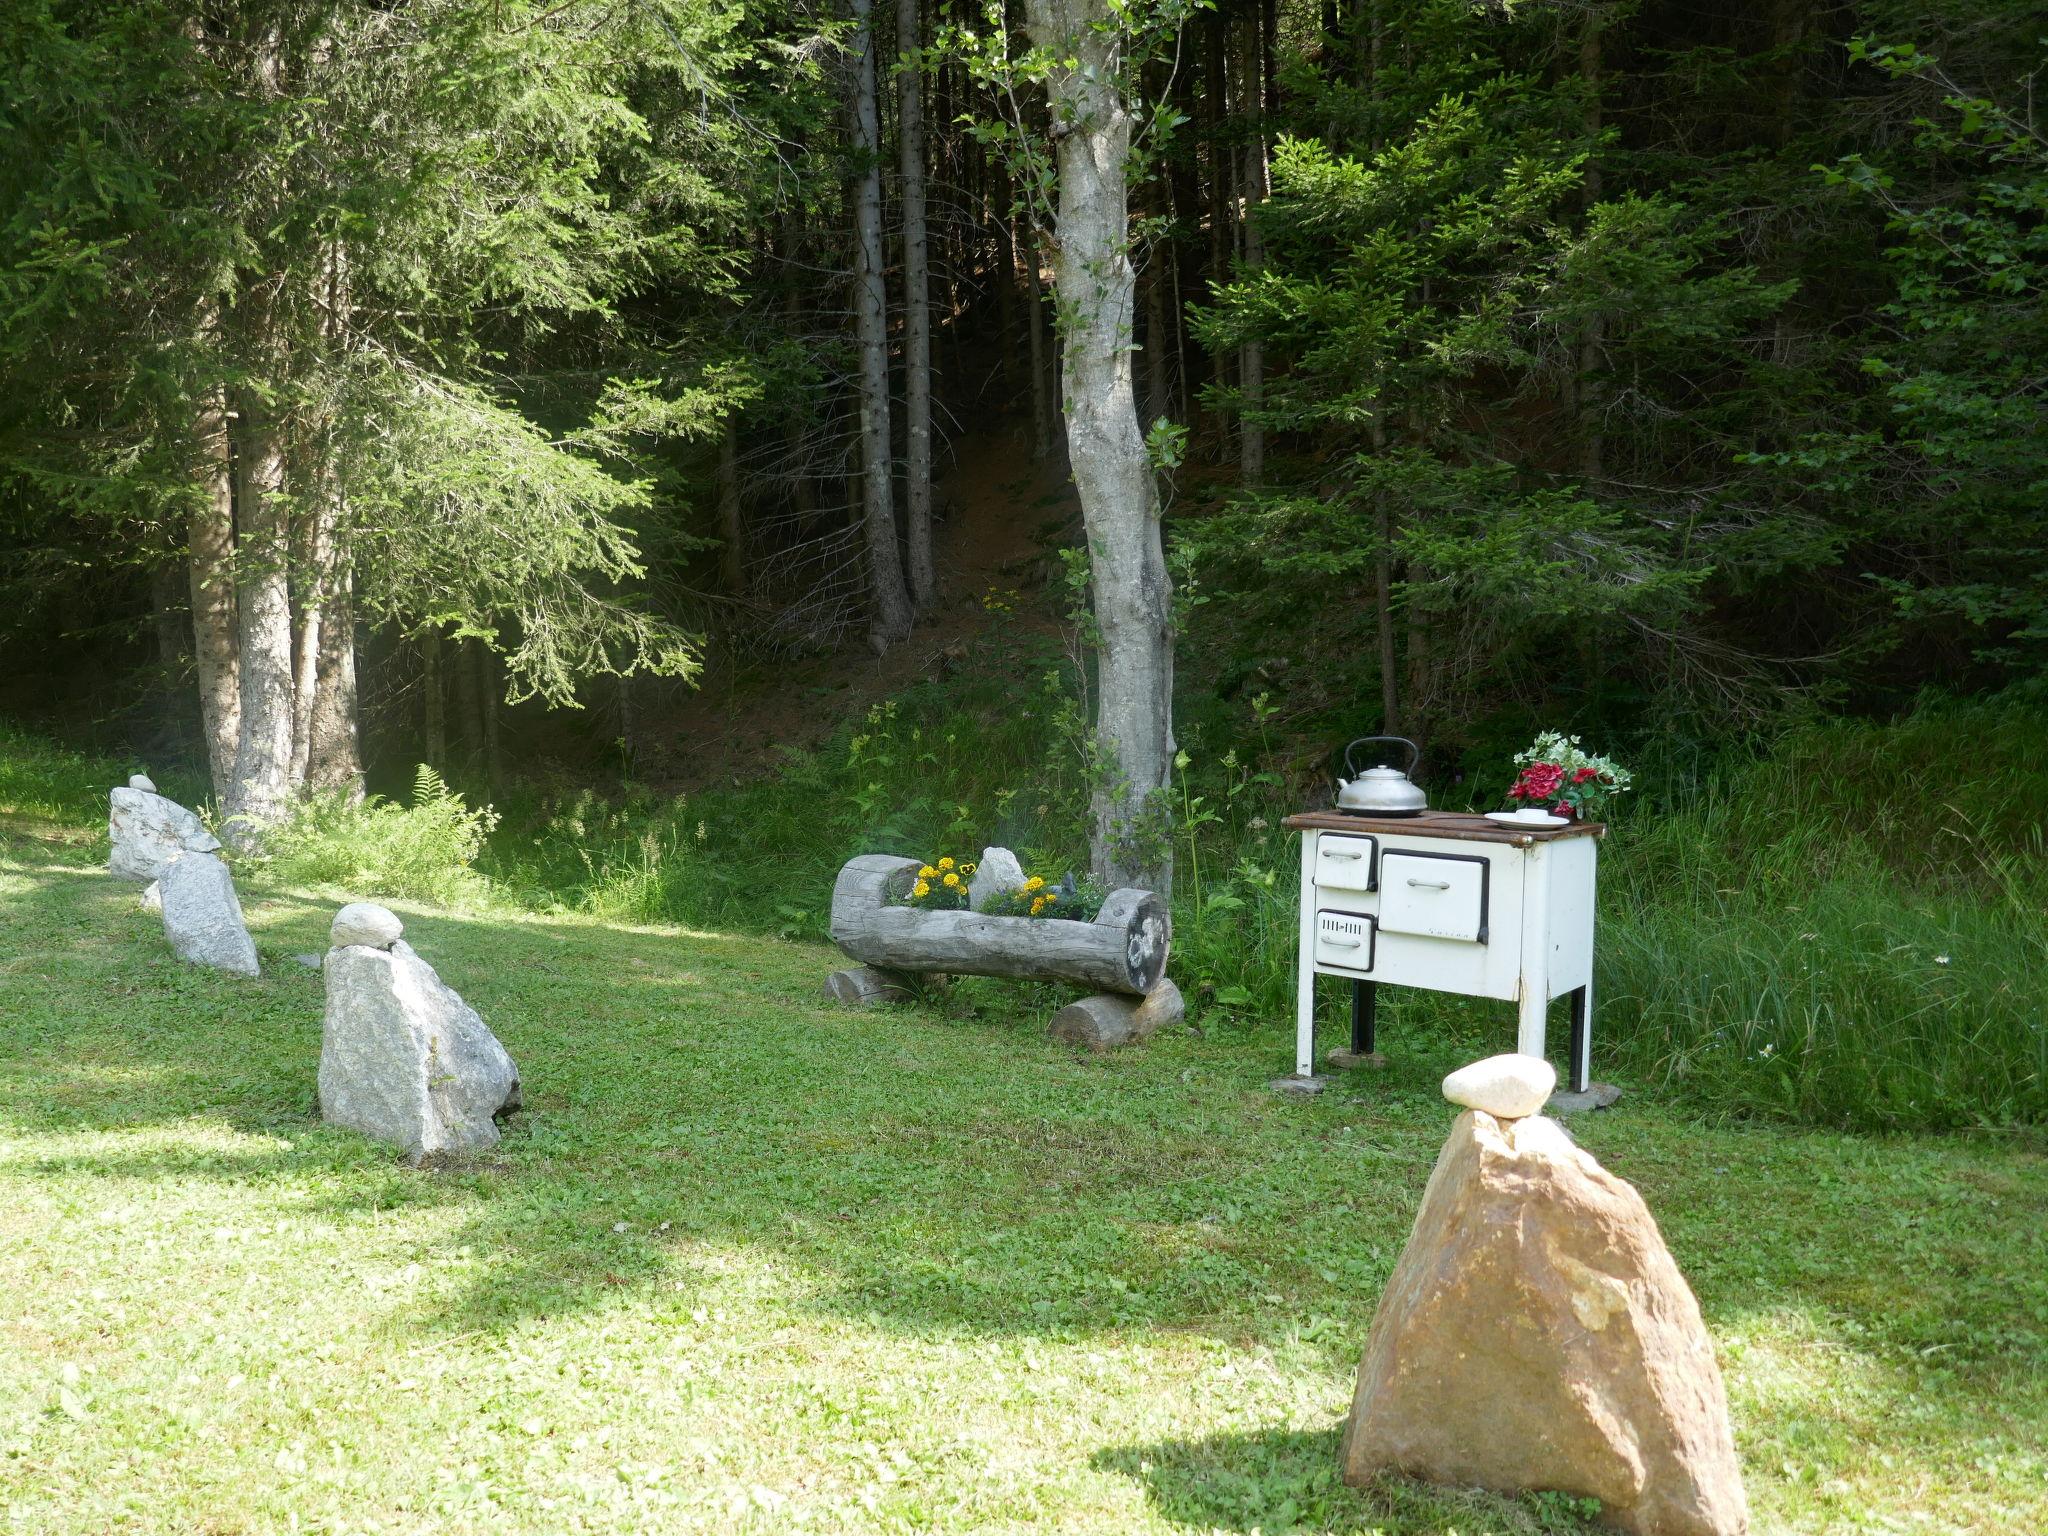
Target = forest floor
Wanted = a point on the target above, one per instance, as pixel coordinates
(748, 1263)
(1000, 512)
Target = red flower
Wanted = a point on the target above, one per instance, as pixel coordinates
(1584, 774)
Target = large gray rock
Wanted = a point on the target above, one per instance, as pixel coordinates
(1535, 1334)
(404, 1059)
(202, 918)
(148, 832)
(995, 872)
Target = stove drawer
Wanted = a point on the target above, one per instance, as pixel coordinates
(1434, 895)
(1345, 861)
(1345, 939)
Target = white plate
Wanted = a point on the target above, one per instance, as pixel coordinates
(1524, 819)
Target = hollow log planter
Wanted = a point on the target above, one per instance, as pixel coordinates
(1122, 952)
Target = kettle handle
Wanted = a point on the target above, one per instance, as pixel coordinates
(1414, 753)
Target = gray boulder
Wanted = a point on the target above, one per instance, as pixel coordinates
(202, 918)
(148, 832)
(153, 897)
(995, 872)
(405, 1060)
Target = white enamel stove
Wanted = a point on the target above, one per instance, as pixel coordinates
(1452, 902)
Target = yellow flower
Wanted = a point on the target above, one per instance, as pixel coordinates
(1037, 906)
(927, 873)
(951, 878)
(945, 863)
(922, 888)
(1034, 882)
(967, 869)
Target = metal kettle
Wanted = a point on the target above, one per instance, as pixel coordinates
(1383, 790)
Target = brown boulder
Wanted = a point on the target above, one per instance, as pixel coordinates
(1537, 1335)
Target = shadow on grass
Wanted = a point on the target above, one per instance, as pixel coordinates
(691, 1094)
(1273, 1480)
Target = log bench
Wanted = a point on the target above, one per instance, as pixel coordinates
(1121, 954)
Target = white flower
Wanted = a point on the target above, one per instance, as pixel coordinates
(1941, 959)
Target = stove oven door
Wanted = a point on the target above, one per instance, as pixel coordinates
(1434, 895)
(1346, 861)
(1345, 941)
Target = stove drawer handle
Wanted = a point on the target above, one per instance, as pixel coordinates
(1430, 885)
(1345, 943)
(1340, 853)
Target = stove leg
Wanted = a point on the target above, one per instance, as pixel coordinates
(1365, 1000)
(1582, 1037)
(1530, 1020)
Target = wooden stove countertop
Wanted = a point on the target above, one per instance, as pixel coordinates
(1465, 826)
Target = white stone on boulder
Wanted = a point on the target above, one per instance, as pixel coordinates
(202, 918)
(153, 896)
(405, 1060)
(147, 832)
(1535, 1334)
(364, 922)
(1510, 1087)
(997, 871)
(143, 782)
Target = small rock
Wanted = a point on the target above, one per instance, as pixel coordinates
(404, 1059)
(310, 962)
(153, 897)
(364, 922)
(147, 832)
(202, 918)
(143, 782)
(1162, 1009)
(1510, 1087)
(997, 872)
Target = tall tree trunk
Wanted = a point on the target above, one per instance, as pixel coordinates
(1251, 358)
(1041, 361)
(1592, 333)
(1006, 279)
(889, 615)
(335, 760)
(261, 783)
(1133, 836)
(917, 312)
(317, 566)
(1215, 97)
(487, 689)
(1383, 597)
(216, 642)
(732, 527)
(433, 702)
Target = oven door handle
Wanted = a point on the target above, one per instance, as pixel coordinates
(1430, 885)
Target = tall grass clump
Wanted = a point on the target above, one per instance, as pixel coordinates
(425, 851)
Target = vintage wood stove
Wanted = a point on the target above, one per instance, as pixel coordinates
(1453, 902)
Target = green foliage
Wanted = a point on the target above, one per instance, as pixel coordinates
(1076, 900)
(375, 848)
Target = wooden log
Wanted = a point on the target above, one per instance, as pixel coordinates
(865, 987)
(1105, 1020)
(1122, 950)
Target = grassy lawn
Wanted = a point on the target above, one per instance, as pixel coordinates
(751, 1263)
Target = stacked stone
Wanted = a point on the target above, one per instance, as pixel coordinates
(1536, 1333)
(402, 1057)
(156, 839)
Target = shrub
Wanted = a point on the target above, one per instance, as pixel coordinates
(375, 847)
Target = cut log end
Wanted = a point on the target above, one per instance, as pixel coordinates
(867, 987)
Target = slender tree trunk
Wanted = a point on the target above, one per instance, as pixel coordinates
(1133, 841)
(487, 690)
(336, 758)
(216, 642)
(433, 702)
(317, 566)
(261, 784)
(1215, 97)
(1592, 334)
(1383, 599)
(1006, 280)
(889, 617)
(1041, 361)
(1251, 358)
(732, 527)
(917, 313)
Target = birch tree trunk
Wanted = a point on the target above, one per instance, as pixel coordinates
(261, 782)
(1132, 842)
(889, 615)
(917, 314)
(216, 645)
(1041, 373)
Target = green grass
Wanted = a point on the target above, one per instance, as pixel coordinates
(748, 1263)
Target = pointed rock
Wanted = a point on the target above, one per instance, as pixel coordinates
(995, 872)
(202, 918)
(1537, 1335)
(404, 1059)
(147, 832)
